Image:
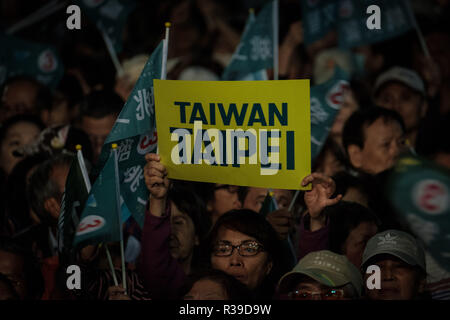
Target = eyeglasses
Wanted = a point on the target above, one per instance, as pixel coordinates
(332, 294)
(245, 249)
(230, 188)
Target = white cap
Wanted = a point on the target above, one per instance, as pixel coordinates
(403, 75)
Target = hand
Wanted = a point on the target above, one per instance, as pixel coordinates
(117, 293)
(295, 35)
(318, 198)
(155, 175)
(282, 221)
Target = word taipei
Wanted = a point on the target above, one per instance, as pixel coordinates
(224, 147)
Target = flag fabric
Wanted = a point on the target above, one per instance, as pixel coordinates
(349, 18)
(396, 19)
(100, 220)
(109, 16)
(37, 60)
(254, 53)
(135, 134)
(326, 100)
(75, 194)
(419, 191)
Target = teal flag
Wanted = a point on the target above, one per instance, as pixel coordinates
(109, 16)
(396, 19)
(318, 18)
(326, 100)
(74, 197)
(100, 220)
(254, 53)
(419, 191)
(37, 60)
(135, 134)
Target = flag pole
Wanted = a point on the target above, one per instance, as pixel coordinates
(275, 39)
(112, 52)
(164, 60)
(122, 255)
(418, 31)
(111, 265)
(293, 200)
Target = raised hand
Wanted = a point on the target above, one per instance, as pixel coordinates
(155, 175)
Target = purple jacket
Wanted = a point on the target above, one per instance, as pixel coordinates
(310, 241)
(162, 275)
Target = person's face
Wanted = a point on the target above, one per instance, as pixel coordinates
(356, 242)
(383, 143)
(12, 266)
(97, 130)
(59, 115)
(250, 270)
(255, 198)
(310, 289)
(182, 238)
(226, 198)
(408, 103)
(206, 289)
(399, 280)
(18, 135)
(18, 98)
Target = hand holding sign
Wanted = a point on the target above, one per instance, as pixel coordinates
(318, 198)
(155, 175)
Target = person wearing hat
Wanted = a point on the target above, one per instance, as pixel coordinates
(401, 260)
(322, 275)
(403, 90)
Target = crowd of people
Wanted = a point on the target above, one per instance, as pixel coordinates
(203, 241)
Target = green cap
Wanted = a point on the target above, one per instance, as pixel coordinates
(397, 243)
(326, 267)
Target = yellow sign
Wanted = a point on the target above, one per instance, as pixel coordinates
(248, 133)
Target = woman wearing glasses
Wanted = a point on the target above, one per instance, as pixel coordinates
(243, 244)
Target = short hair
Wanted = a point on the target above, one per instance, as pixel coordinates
(344, 217)
(355, 126)
(17, 119)
(234, 289)
(41, 187)
(101, 103)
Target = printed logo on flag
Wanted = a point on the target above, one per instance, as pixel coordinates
(335, 97)
(90, 224)
(431, 196)
(47, 61)
(147, 143)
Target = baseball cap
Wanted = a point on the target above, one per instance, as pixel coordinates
(326, 267)
(403, 75)
(397, 243)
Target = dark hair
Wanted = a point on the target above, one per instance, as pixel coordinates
(345, 181)
(33, 277)
(9, 287)
(235, 289)
(101, 103)
(41, 187)
(355, 126)
(344, 217)
(44, 96)
(18, 119)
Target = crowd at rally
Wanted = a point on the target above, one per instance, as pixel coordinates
(213, 241)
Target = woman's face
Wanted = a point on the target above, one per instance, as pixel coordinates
(20, 134)
(250, 270)
(206, 289)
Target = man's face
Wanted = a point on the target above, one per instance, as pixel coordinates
(97, 130)
(206, 289)
(255, 198)
(384, 141)
(12, 266)
(310, 289)
(250, 270)
(407, 102)
(18, 98)
(226, 198)
(356, 242)
(182, 238)
(399, 280)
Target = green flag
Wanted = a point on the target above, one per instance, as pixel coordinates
(419, 191)
(135, 134)
(74, 197)
(21, 57)
(109, 16)
(100, 220)
(318, 18)
(326, 100)
(254, 53)
(396, 19)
